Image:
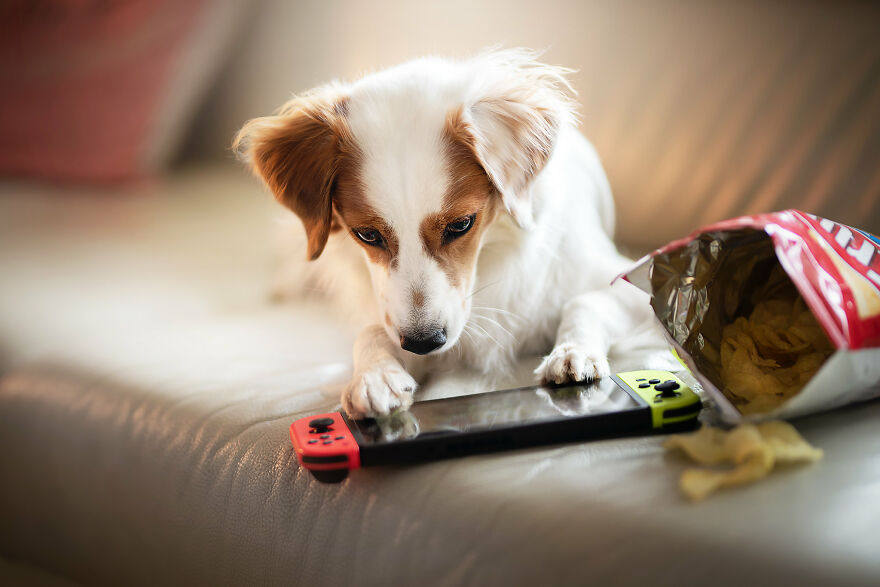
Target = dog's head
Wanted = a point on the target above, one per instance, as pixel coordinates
(415, 163)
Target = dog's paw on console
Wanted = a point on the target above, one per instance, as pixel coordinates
(569, 362)
(378, 390)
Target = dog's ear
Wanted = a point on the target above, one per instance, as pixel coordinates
(514, 116)
(296, 152)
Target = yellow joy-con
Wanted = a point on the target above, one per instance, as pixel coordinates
(672, 401)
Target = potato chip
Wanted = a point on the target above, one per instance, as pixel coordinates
(699, 484)
(787, 444)
(768, 357)
(753, 450)
(705, 446)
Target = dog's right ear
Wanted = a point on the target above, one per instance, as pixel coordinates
(296, 152)
(512, 121)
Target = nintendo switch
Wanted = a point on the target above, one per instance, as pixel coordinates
(625, 404)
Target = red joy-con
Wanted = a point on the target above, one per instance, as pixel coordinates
(325, 443)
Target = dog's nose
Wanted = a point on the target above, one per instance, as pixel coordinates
(423, 344)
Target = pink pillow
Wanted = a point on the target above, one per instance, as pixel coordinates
(87, 86)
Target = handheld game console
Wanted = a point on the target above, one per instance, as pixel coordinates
(625, 404)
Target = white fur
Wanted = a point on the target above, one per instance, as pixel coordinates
(545, 266)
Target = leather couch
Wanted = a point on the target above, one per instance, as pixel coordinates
(148, 385)
(147, 382)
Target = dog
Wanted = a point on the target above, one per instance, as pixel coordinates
(456, 212)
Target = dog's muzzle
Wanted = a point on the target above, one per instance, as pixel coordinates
(421, 344)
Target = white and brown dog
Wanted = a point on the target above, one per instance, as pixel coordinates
(457, 209)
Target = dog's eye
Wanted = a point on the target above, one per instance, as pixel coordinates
(371, 236)
(459, 227)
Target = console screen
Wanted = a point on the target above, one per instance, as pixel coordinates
(497, 409)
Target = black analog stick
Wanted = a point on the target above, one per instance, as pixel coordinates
(321, 424)
(667, 388)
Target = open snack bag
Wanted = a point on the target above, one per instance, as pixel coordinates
(777, 315)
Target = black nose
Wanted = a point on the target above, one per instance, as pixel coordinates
(423, 344)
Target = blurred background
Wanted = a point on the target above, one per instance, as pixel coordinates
(700, 110)
(145, 382)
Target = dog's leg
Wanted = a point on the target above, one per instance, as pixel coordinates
(590, 324)
(380, 383)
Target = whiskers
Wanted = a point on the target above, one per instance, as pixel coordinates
(493, 323)
(506, 313)
(482, 327)
(478, 290)
(474, 328)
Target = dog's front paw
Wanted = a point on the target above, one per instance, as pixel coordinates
(378, 390)
(572, 362)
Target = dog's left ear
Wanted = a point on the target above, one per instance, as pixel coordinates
(514, 118)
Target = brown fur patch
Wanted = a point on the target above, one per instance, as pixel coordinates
(418, 298)
(297, 153)
(311, 162)
(470, 192)
(355, 212)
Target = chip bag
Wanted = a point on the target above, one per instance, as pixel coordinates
(777, 315)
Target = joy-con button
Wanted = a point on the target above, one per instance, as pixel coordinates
(324, 436)
(340, 438)
(654, 381)
(313, 441)
(321, 424)
(328, 442)
(667, 388)
(644, 385)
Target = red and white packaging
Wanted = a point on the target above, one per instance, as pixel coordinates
(699, 284)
